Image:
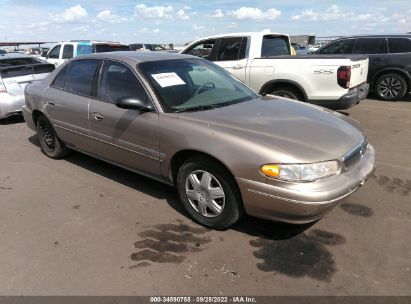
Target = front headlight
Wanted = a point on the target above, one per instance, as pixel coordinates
(300, 172)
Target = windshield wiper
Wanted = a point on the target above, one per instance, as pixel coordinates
(197, 108)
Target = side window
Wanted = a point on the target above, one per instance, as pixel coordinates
(118, 81)
(55, 52)
(275, 46)
(80, 76)
(58, 82)
(231, 49)
(68, 50)
(339, 47)
(202, 49)
(399, 45)
(370, 46)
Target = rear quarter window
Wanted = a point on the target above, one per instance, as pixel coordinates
(80, 76)
(275, 46)
(399, 45)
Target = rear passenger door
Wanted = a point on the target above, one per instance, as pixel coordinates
(231, 55)
(400, 52)
(126, 137)
(376, 50)
(67, 100)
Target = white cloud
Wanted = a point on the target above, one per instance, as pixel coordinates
(218, 13)
(154, 12)
(107, 16)
(332, 13)
(255, 13)
(182, 15)
(81, 28)
(156, 31)
(363, 17)
(232, 25)
(73, 14)
(198, 27)
(187, 8)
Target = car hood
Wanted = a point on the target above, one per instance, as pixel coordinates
(303, 132)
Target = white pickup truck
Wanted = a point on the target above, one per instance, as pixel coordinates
(263, 62)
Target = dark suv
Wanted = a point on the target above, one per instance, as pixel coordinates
(389, 72)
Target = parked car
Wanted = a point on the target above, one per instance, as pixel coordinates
(389, 73)
(146, 47)
(33, 51)
(186, 122)
(2, 52)
(263, 62)
(64, 51)
(16, 71)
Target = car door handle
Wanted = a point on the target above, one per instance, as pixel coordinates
(238, 67)
(49, 102)
(379, 59)
(97, 116)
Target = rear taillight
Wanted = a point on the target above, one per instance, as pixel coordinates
(344, 76)
(2, 87)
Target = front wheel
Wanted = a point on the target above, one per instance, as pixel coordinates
(50, 144)
(391, 87)
(209, 193)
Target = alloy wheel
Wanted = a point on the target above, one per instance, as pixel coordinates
(389, 87)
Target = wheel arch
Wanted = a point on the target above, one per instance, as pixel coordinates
(272, 84)
(388, 70)
(181, 156)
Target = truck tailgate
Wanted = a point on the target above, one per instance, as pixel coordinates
(359, 72)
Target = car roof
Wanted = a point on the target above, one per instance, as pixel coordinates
(378, 36)
(132, 56)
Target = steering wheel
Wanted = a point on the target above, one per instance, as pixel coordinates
(207, 84)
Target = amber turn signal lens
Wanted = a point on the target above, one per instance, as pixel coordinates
(270, 170)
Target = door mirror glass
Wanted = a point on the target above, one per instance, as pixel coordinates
(133, 103)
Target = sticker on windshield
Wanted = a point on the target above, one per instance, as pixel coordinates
(168, 79)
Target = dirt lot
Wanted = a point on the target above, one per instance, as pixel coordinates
(83, 227)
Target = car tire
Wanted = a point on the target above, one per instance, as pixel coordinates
(288, 92)
(198, 199)
(391, 87)
(50, 144)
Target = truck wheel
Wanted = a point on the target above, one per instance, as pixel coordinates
(288, 92)
(209, 193)
(50, 144)
(391, 87)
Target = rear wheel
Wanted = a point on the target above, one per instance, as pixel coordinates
(288, 92)
(209, 193)
(391, 87)
(50, 144)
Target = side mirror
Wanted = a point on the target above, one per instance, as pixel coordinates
(134, 104)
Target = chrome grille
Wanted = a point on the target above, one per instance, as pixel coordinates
(357, 153)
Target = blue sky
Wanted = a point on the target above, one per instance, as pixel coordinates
(182, 21)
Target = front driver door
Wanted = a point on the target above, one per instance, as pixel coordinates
(126, 137)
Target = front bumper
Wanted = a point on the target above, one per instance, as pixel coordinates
(300, 203)
(10, 105)
(353, 97)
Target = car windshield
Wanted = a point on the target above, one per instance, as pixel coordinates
(193, 84)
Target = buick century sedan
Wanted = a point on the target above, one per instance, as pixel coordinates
(186, 122)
